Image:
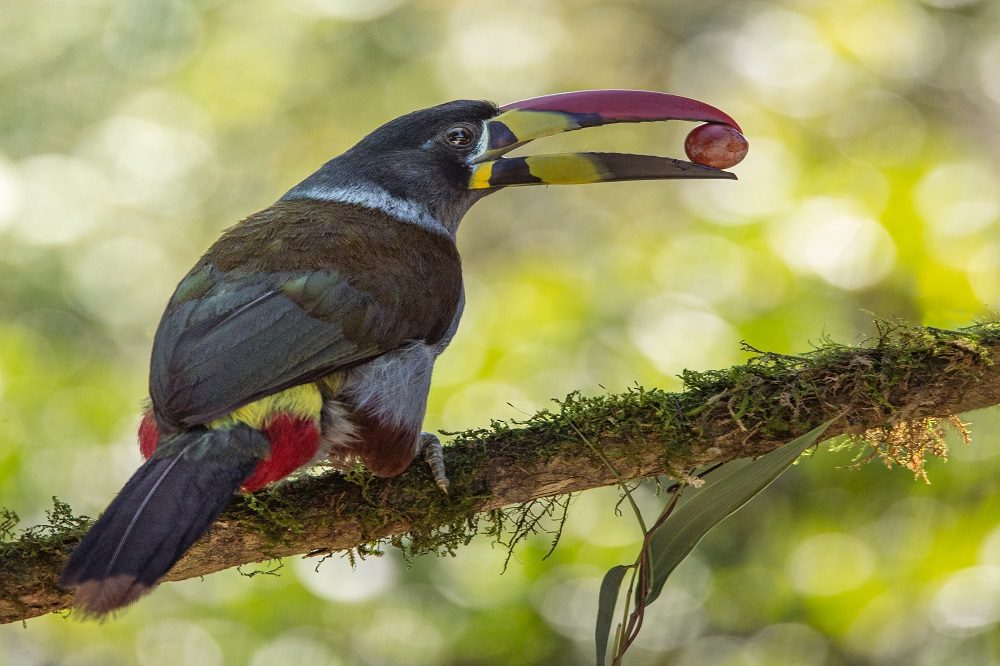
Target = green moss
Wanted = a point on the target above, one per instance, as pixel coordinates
(773, 397)
(8, 521)
(275, 513)
(781, 393)
(62, 527)
(510, 527)
(32, 561)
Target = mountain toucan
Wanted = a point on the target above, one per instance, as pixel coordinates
(309, 330)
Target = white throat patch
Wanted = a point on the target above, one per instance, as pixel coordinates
(374, 197)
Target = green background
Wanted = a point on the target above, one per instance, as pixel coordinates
(132, 132)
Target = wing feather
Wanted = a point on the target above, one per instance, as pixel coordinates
(235, 332)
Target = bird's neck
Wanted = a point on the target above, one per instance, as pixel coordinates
(409, 194)
(371, 196)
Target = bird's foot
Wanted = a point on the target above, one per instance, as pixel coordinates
(430, 447)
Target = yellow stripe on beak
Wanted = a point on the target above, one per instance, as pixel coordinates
(527, 125)
(558, 169)
(564, 169)
(481, 174)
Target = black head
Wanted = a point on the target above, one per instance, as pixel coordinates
(423, 158)
(449, 132)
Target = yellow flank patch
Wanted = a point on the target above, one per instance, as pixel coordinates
(564, 168)
(303, 401)
(481, 174)
(331, 383)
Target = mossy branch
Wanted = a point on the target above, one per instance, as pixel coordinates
(899, 377)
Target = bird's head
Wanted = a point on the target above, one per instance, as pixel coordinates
(440, 161)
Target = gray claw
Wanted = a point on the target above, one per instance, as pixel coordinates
(430, 447)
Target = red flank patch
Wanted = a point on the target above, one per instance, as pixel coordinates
(294, 442)
(149, 435)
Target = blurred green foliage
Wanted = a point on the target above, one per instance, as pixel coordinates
(133, 131)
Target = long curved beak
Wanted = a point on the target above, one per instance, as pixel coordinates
(521, 122)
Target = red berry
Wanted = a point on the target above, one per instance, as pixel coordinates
(715, 145)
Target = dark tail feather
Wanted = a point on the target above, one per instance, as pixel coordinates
(167, 504)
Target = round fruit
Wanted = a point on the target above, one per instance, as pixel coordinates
(715, 145)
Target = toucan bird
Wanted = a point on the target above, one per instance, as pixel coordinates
(310, 329)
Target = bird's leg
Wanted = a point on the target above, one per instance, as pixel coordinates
(430, 447)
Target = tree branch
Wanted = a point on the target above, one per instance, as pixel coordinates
(900, 376)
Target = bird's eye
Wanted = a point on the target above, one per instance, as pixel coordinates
(459, 137)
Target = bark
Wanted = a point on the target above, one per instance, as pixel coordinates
(901, 376)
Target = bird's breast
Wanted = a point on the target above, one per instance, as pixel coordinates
(377, 413)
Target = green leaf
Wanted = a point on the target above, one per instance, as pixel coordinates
(610, 587)
(731, 487)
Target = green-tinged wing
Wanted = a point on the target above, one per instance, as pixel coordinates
(230, 337)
